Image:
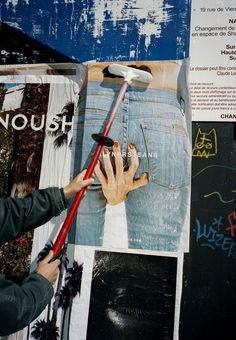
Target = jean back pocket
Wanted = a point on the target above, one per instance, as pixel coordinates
(168, 152)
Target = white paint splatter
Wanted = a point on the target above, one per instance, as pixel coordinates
(13, 24)
(148, 16)
(132, 52)
(13, 2)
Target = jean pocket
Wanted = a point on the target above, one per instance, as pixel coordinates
(168, 152)
(96, 107)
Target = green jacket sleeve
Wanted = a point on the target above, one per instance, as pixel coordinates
(19, 305)
(19, 215)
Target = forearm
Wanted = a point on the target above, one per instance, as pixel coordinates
(20, 305)
(19, 215)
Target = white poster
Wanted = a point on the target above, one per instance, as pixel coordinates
(213, 60)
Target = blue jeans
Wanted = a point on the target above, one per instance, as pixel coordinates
(154, 120)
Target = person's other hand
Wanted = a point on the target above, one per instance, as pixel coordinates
(49, 270)
(116, 185)
(77, 184)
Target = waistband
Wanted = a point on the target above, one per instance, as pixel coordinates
(165, 73)
(143, 96)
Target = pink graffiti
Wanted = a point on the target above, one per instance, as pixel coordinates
(232, 223)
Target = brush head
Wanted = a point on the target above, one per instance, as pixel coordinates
(129, 74)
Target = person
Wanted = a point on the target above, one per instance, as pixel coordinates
(21, 304)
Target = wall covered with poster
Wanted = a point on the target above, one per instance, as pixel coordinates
(137, 246)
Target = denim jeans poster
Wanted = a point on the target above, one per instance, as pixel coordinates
(155, 121)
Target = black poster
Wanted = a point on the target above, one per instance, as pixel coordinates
(209, 299)
(132, 297)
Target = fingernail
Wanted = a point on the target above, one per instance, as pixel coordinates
(116, 144)
(105, 151)
(131, 146)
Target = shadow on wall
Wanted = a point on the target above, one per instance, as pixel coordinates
(19, 48)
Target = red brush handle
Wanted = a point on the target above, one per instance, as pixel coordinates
(65, 228)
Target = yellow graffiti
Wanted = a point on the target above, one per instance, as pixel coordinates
(205, 144)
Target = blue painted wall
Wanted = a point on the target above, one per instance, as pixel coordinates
(105, 30)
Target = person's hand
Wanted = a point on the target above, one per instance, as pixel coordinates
(77, 184)
(116, 185)
(48, 270)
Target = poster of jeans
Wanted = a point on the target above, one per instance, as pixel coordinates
(155, 121)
